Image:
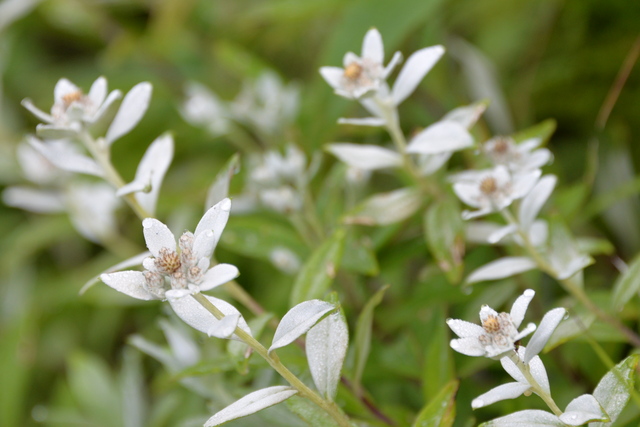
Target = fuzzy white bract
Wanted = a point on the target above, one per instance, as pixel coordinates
(518, 158)
(498, 333)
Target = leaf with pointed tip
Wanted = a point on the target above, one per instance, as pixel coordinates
(386, 208)
(441, 411)
(501, 268)
(542, 130)
(365, 157)
(444, 232)
(528, 418)
(615, 388)
(298, 321)
(548, 324)
(151, 170)
(220, 187)
(319, 270)
(309, 412)
(627, 285)
(326, 348)
(252, 403)
(364, 325)
(133, 107)
(583, 409)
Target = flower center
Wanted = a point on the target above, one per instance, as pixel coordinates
(501, 146)
(488, 185)
(353, 71)
(71, 97)
(168, 261)
(491, 324)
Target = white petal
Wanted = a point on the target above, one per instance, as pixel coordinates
(333, 76)
(372, 47)
(154, 164)
(525, 331)
(583, 409)
(98, 91)
(501, 233)
(62, 88)
(502, 392)
(131, 283)
(47, 118)
(251, 403)
(440, 137)
(579, 262)
(414, 70)
(134, 187)
(158, 236)
(548, 324)
(395, 60)
(106, 105)
(465, 329)
(533, 202)
(214, 221)
(298, 321)
(198, 317)
(468, 115)
(55, 131)
(528, 418)
(520, 305)
(523, 183)
(480, 231)
(129, 262)
(486, 312)
(367, 121)
(218, 275)
(468, 346)
(134, 105)
(33, 199)
(469, 193)
(326, 348)
(66, 159)
(501, 268)
(538, 371)
(511, 368)
(365, 157)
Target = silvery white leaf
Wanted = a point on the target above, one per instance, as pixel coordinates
(152, 168)
(387, 208)
(157, 236)
(528, 418)
(252, 403)
(548, 324)
(583, 409)
(198, 317)
(502, 392)
(372, 46)
(520, 305)
(501, 233)
(219, 189)
(91, 208)
(326, 348)
(33, 199)
(366, 121)
(501, 268)
(579, 262)
(133, 107)
(440, 137)
(225, 327)
(28, 104)
(468, 115)
(55, 131)
(480, 231)
(218, 275)
(127, 263)
(414, 70)
(533, 202)
(132, 283)
(213, 221)
(365, 157)
(298, 321)
(613, 390)
(183, 347)
(67, 159)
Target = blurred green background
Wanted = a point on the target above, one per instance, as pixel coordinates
(535, 59)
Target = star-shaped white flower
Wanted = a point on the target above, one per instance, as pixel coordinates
(176, 271)
(72, 108)
(361, 74)
(498, 333)
(492, 190)
(518, 158)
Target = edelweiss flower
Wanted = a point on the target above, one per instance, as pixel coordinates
(518, 158)
(498, 333)
(361, 74)
(492, 190)
(71, 108)
(174, 272)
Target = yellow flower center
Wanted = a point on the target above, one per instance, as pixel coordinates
(353, 71)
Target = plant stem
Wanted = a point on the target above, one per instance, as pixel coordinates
(570, 285)
(535, 387)
(273, 360)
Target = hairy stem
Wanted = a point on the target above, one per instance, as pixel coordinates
(535, 387)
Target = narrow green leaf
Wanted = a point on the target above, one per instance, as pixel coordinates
(627, 285)
(615, 388)
(438, 367)
(363, 334)
(358, 256)
(441, 411)
(542, 130)
(444, 232)
(237, 350)
(319, 271)
(309, 412)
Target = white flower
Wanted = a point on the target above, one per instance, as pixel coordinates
(492, 190)
(176, 271)
(498, 333)
(203, 108)
(361, 74)
(71, 108)
(518, 158)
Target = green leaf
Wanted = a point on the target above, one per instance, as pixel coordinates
(626, 286)
(309, 412)
(358, 256)
(615, 388)
(439, 369)
(237, 350)
(441, 411)
(363, 334)
(219, 189)
(386, 208)
(542, 130)
(319, 271)
(444, 232)
(258, 236)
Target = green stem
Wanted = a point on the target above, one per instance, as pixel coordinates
(111, 175)
(273, 360)
(570, 285)
(535, 387)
